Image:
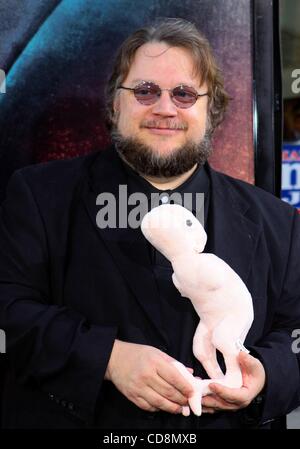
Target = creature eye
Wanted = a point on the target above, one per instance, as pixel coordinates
(189, 222)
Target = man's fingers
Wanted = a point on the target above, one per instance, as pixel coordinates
(149, 378)
(217, 403)
(253, 372)
(238, 396)
(247, 360)
(208, 410)
(159, 402)
(253, 382)
(167, 391)
(171, 375)
(144, 405)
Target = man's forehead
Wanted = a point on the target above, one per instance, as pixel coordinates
(162, 50)
(155, 49)
(152, 59)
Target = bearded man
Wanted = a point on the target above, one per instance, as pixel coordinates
(92, 318)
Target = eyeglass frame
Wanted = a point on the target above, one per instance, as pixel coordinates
(170, 90)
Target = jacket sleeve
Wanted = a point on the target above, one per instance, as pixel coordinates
(50, 347)
(278, 350)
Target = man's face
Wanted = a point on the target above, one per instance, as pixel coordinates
(168, 67)
(164, 128)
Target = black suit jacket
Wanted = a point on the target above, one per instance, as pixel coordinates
(68, 289)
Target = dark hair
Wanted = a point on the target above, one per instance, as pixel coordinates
(176, 33)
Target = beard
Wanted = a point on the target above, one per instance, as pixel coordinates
(143, 159)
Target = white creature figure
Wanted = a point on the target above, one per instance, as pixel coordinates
(218, 295)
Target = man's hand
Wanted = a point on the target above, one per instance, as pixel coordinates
(232, 399)
(146, 376)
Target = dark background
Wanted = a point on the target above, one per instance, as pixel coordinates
(58, 54)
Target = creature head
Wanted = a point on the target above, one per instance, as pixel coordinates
(173, 230)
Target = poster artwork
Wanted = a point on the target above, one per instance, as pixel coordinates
(291, 174)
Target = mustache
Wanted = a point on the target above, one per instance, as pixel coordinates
(164, 124)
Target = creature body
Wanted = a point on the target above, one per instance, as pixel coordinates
(218, 294)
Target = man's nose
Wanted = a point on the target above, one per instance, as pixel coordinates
(164, 105)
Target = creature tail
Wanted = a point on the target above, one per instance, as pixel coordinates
(232, 379)
(198, 387)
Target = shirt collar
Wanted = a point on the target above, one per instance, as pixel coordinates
(185, 194)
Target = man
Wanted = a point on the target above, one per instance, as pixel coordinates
(92, 318)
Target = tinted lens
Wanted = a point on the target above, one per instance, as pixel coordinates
(147, 93)
(184, 96)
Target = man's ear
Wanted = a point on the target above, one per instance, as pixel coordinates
(116, 107)
(116, 103)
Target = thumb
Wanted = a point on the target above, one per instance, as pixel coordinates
(247, 362)
(253, 372)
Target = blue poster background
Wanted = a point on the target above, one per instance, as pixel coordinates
(291, 174)
(57, 55)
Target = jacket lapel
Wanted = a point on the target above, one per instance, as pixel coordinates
(233, 235)
(128, 247)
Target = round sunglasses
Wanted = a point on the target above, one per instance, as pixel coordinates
(148, 93)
